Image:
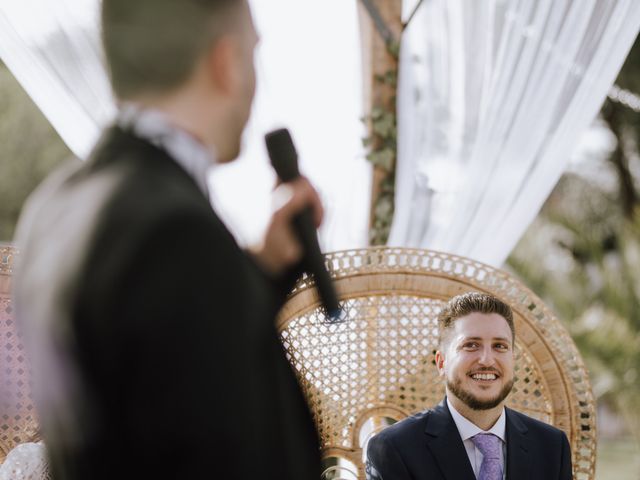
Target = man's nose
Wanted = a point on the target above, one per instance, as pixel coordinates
(486, 357)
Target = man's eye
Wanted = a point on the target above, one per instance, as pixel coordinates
(502, 346)
(471, 345)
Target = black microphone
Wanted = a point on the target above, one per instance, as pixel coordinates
(284, 159)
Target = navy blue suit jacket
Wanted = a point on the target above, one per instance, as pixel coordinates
(427, 446)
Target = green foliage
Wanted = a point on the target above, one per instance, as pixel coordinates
(30, 150)
(393, 47)
(582, 256)
(382, 154)
(389, 78)
(383, 158)
(383, 212)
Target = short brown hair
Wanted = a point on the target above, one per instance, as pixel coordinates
(472, 302)
(152, 46)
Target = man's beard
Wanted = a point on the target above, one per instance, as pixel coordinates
(474, 402)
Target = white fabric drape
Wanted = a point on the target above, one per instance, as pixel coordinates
(308, 81)
(52, 48)
(493, 96)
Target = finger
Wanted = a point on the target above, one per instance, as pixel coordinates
(293, 251)
(282, 195)
(291, 198)
(314, 200)
(316, 204)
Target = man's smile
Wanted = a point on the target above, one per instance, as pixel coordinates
(484, 376)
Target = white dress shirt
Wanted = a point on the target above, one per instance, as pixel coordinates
(156, 127)
(468, 430)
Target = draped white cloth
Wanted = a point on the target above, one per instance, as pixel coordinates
(52, 48)
(493, 96)
(308, 81)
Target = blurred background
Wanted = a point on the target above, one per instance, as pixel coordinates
(581, 254)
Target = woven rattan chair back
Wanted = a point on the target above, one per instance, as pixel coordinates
(377, 365)
(18, 422)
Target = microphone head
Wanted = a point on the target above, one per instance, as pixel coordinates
(282, 153)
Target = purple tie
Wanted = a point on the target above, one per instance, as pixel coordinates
(490, 446)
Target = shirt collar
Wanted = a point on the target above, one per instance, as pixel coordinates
(156, 127)
(468, 429)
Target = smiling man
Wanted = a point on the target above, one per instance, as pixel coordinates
(471, 434)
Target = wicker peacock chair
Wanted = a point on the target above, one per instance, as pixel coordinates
(18, 421)
(377, 366)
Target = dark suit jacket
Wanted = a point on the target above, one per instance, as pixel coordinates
(427, 446)
(165, 325)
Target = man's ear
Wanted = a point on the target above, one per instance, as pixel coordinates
(222, 64)
(440, 362)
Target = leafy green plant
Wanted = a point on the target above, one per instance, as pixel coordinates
(30, 150)
(382, 144)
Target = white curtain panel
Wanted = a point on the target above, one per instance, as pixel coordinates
(52, 48)
(309, 80)
(493, 97)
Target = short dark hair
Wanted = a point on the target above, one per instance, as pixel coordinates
(152, 46)
(472, 302)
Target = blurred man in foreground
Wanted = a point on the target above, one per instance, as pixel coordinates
(151, 332)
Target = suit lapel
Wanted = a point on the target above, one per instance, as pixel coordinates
(445, 444)
(518, 457)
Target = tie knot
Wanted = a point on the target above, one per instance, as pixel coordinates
(488, 444)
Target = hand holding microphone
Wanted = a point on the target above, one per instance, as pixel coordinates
(284, 159)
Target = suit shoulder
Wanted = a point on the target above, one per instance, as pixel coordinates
(149, 179)
(148, 193)
(406, 427)
(535, 425)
